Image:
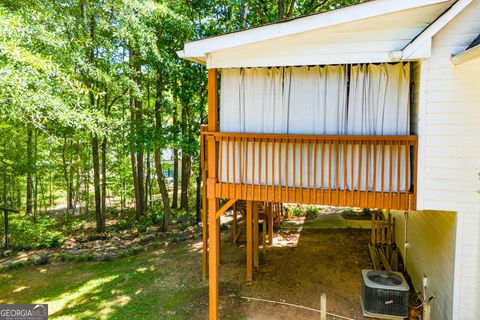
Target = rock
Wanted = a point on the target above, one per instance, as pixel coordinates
(105, 256)
(39, 259)
(147, 238)
(72, 252)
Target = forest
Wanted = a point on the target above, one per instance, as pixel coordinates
(92, 98)
(92, 95)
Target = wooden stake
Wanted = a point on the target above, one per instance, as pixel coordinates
(427, 311)
(323, 306)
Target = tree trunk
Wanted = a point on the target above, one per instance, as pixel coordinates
(198, 202)
(96, 184)
(185, 162)
(158, 157)
(175, 168)
(140, 147)
(66, 174)
(29, 202)
(104, 175)
(281, 10)
(133, 133)
(185, 182)
(35, 175)
(147, 180)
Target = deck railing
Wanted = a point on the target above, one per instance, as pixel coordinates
(359, 171)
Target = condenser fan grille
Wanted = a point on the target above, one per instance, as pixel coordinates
(384, 293)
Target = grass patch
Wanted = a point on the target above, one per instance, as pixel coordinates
(153, 285)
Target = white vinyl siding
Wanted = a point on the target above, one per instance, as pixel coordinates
(451, 161)
(431, 252)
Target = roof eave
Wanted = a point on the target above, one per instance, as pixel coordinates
(466, 55)
(200, 48)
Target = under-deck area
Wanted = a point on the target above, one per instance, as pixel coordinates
(300, 265)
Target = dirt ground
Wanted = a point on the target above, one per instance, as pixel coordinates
(300, 266)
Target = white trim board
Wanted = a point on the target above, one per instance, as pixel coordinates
(196, 50)
(466, 55)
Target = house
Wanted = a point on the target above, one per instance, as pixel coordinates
(373, 105)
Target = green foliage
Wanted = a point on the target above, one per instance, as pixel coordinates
(311, 212)
(24, 233)
(74, 71)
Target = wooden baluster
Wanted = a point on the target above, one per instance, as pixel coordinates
(287, 197)
(273, 169)
(407, 169)
(245, 171)
(390, 180)
(220, 164)
(301, 170)
(337, 171)
(375, 172)
(399, 172)
(352, 171)
(234, 168)
(253, 168)
(359, 186)
(329, 172)
(259, 163)
(344, 171)
(413, 206)
(227, 165)
(266, 167)
(315, 170)
(308, 171)
(279, 169)
(294, 159)
(322, 174)
(367, 165)
(383, 174)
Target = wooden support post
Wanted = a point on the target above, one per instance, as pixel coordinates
(234, 236)
(255, 234)
(212, 203)
(323, 306)
(249, 241)
(270, 223)
(264, 237)
(213, 254)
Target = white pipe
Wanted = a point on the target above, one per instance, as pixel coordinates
(296, 306)
(405, 244)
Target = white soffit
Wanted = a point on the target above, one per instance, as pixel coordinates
(368, 40)
(395, 22)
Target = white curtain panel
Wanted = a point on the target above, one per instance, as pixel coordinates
(378, 104)
(310, 100)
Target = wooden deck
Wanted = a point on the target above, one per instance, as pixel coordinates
(353, 171)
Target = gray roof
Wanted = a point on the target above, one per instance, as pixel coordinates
(475, 43)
